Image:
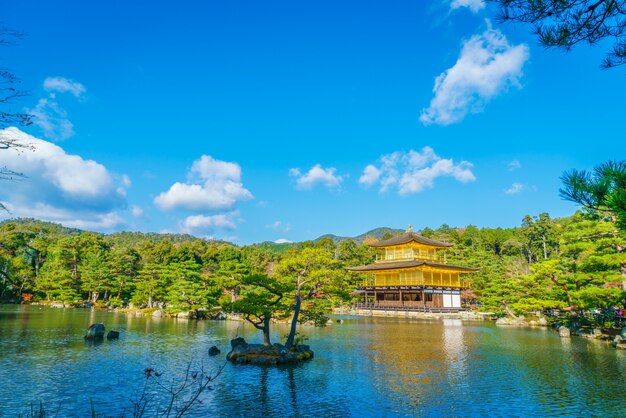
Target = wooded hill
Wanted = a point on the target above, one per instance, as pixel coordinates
(578, 261)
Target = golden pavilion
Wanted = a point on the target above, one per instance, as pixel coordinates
(411, 273)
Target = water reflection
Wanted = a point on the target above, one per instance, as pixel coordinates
(363, 367)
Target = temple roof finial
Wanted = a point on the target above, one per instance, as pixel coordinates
(410, 228)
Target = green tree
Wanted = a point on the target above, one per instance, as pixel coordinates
(564, 24)
(307, 273)
(232, 267)
(260, 300)
(603, 190)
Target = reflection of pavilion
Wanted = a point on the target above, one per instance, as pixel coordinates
(411, 273)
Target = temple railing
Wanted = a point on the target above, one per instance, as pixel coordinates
(402, 281)
(390, 305)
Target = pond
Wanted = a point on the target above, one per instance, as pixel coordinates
(364, 366)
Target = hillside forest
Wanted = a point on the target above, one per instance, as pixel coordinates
(577, 262)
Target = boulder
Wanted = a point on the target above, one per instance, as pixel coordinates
(564, 332)
(617, 340)
(113, 335)
(185, 315)
(340, 321)
(515, 322)
(259, 354)
(214, 351)
(503, 321)
(95, 331)
(237, 342)
(623, 333)
(158, 314)
(596, 332)
(219, 316)
(533, 323)
(543, 321)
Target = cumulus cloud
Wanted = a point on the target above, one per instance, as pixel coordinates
(61, 187)
(487, 66)
(212, 185)
(136, 211)
(317, 175)
(52, 119)
(64, 85)
(474, 5)
(413, 171)
(207, 223)
(370, 175)
(48, 113)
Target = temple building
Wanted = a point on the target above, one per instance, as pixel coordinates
(411, 273)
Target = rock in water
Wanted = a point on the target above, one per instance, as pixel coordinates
(113, 335)
(95, 331)
(623, 333)
(244, 353)
(503, 321)
(158, 314)
(543, 322)
(237, 341)
(564, 332)
(214, 351)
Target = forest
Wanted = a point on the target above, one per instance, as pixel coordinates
(576, 262)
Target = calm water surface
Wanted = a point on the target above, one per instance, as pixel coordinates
(363, 367)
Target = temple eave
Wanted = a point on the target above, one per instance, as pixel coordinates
(403, 265)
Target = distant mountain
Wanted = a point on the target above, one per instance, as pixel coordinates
(377, 233)
(277, 248)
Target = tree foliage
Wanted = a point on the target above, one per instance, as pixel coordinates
(603, 190)
(566, 23)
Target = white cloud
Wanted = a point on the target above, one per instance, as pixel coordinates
(136, 211)
(514, 165)
(213, 185)
(205, 224)
(474, 5)
(414, 171)
(279, 226)
(49, 115)
(316, 175)
(488, 65)
(282, 241)
(64, 85)
(61, 187)
(52, 119)
(370, 175)
(515, 188)
(520, 187)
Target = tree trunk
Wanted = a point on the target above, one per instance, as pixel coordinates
(622, 267)
(75, 272)
(294, 321)
(545, 251)
(266, 331)
(508, 310)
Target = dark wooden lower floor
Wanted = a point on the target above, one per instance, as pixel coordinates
(384, 306)
(412, 298)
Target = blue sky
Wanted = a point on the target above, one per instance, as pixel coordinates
(256, 121)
